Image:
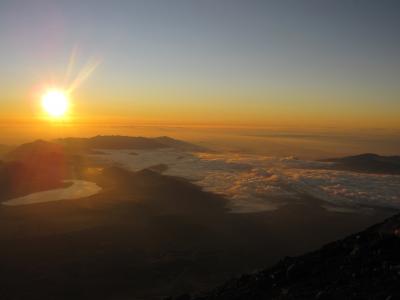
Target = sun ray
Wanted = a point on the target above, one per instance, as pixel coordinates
(85, 72)
(71, 65)
(55, 100)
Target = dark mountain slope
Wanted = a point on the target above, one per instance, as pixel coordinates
(33, 167)
(4, 149)
(362, 266)
(147, 236)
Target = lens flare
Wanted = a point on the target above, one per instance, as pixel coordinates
(55, 101)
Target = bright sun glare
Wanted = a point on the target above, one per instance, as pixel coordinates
(55, 103)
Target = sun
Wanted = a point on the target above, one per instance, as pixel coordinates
(55, 103)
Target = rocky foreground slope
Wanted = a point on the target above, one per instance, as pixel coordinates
(362, 266)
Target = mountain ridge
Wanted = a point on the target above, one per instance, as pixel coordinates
(365, 265)
(128, 142)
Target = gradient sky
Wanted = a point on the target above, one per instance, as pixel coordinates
(264, 63)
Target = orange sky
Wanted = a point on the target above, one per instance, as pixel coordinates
(228, 64)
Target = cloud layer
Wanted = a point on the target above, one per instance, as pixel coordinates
(260, 183)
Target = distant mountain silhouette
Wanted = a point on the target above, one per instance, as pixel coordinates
(369, 163)
(178, 144)
(127, 142)
(362, 266)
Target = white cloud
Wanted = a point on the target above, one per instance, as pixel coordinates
(349, 188)
(259, 183)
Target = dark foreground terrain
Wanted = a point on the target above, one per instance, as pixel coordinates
(362, 266)
(150, 236)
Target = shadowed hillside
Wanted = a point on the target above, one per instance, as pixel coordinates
(362, 266)
(33, 167)
(147, 236)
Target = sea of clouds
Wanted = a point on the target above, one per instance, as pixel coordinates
(261, 183)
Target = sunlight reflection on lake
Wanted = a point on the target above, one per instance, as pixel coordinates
(78, 189)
